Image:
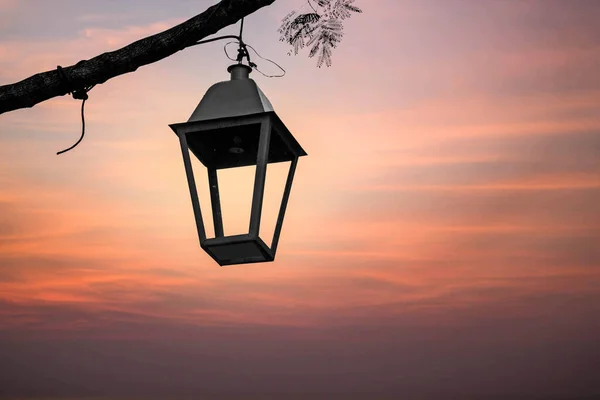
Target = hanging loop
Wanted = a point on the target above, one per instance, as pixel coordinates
(78, 94)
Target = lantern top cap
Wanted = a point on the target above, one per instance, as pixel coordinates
(239, 71)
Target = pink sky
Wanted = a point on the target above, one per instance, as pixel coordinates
(442, 236)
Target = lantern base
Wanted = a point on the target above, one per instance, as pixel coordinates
(238, 249)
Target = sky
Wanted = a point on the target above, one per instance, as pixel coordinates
(442, 238)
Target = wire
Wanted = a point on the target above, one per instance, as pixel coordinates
(243, 51)
(254, 66)
(78, 94)
(271, 61)
(241, 29)
(82, 129)
(226, 53)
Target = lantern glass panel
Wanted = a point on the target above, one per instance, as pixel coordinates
(236, 186)
(277, 173)
(203, 191)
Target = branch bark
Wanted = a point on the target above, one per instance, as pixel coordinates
(46, 85)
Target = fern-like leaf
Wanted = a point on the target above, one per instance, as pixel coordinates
(322, 30)
(353, 8)
(325, 56)
(314, 50)
(304, 19)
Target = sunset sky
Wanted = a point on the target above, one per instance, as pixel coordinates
(442, 237)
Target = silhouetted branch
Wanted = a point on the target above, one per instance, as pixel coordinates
(86, 73)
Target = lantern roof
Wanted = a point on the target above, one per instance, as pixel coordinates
(225, 127)
(241, 95)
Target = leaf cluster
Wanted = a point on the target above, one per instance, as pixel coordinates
(321, 29)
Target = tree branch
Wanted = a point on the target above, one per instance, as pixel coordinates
(46, 85)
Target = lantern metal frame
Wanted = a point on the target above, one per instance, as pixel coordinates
(275, 144)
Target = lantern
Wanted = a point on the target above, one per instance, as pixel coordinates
(235, 126)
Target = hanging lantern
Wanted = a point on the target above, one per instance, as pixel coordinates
(235, 126)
